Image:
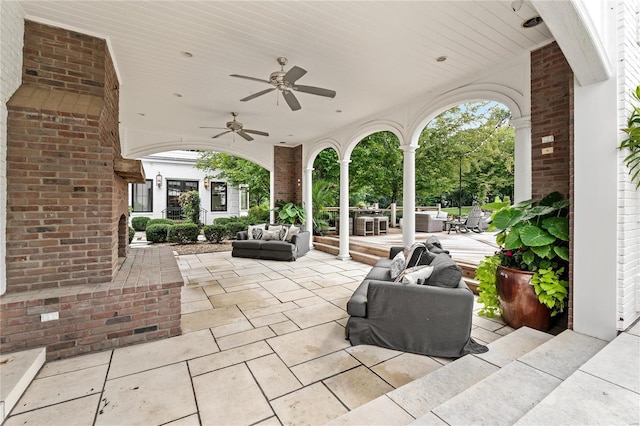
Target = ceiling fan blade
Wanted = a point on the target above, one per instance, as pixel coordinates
(256, 132)
(291, 100)
(315, 91)
(294, 74)
(221, 128)
(255, 95)
(244, 135)
(249, 78)
(220, 134)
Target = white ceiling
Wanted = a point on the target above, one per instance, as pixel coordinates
(374, 54)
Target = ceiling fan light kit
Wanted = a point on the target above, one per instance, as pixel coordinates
(285, 82)
(235, 126)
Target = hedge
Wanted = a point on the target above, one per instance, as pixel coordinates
(161, 221)
(132, 233)
(234, 227)
(215, 233)
(157, 233)
(140, 223)
(183, 233)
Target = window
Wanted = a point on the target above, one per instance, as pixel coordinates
(142, 197)
(218, 197)
(244, 197)
(174, 189)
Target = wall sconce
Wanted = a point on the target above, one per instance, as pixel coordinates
(159, 180)
(207, 182)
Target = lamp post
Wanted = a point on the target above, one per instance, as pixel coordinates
(460, 189)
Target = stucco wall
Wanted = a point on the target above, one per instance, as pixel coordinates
(11, 40)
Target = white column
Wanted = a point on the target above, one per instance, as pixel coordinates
(344, 210)
(522, 159)
(308, 201)
(272, 191)
(409, 196)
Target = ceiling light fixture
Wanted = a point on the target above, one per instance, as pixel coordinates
(142, 114)
(186, 54)
(532, 22)
(441, 58)
(177, 95)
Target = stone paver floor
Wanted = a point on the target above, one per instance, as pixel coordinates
(263, 343)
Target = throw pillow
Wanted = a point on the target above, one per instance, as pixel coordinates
(255, 231)
(293, 230)
(284, 231)
(417, 273)
(397, 265)
(268, 235)
(446, 273)
(413, 254)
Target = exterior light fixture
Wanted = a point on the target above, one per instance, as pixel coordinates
(207, 182)
(159, 180)
(532, 22)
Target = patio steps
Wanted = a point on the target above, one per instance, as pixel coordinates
(17, 371)
(528, 377)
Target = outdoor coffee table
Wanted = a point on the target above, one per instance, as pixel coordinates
(455, 224)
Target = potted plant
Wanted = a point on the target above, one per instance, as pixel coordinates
(526, 280)
(291, 213)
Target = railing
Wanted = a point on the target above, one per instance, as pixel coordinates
(331, 213)
(175, 213)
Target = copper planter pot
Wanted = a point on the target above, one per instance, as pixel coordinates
(518, 300)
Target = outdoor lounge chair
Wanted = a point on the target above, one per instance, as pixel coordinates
(474, 220)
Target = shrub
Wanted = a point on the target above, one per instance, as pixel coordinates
(140, 223)
(224, 220)
(258, 214)
(157, 233)
(234, 227)
(132, 233)
(161, 221)
(183, 233)
(215, 233)
(190, 203)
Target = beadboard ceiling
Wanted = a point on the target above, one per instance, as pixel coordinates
(375, 55)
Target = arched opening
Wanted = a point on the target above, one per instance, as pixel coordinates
(325, 189)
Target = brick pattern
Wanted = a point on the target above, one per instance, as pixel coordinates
(552, 114)
(141, 304)
(288, 174)
(551, 85)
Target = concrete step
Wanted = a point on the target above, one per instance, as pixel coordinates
(327, 248)
(421, 396)
(17, 371)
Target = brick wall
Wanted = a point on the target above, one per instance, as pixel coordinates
(551, 115)
(288, 174)
(11, 39)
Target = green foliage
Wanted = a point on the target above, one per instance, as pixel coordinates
(132, 233)
(234, 227)
(551, 290)
(290, 213)
(326, 166)
(161, 221)
(488, 294)
(139, 223)
(236, 171)
(183, 233)
(215, 233)
(157, 233)
(258, 214)
(190, 203)
(632, 142)
(323, 195)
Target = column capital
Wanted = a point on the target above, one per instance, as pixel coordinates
(309, 169)
(521, 123)
(344, 162)
(408, 149)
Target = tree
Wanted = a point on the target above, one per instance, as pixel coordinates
(236, 171)
(326, 167)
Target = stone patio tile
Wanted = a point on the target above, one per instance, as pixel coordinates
(380, 412)
(247, 306)
(312, 405)
(635, 330)
(513, 346)
(353, 285)
(230, 396)
(254, 270)
(244, 338)
(78, 412)
(613, 363)
(314, 300)
(299, 293)
(273, 376)
(191, 307)
(268, 319)
(326, 269)
(75, 363)
(191, 420)
(429, 419)
(305, 345)
(211, 318)
(227, 358)
(284, 327)
(136, 397)
(221, 267)
(213, 289)
(504, 330)
(133, 359)
(309, 285)
(247, 279)
(242, 287)
(280, 285)
(405, 368)
(228, 299)
(269, 310)
(192, 294)
(358, 386)
(486, 323)
(332, 293)
(273, 275)
(62, 387)
(371, 355)
(330, 280)
(353, 273)
(298, 273)
(323, 367)
(315, 314)
(234, 327)
(341, 303)
(484, 336)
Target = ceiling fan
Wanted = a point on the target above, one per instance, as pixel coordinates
(286, 82)
(237, 127)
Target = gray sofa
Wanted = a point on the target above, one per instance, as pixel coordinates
(433, 318)
(429, 222)
(271, 250)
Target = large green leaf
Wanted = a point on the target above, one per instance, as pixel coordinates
(506, 218)
(534, 236)
(543, 251)
(562, 252)
(512, 240)
(557, 226)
